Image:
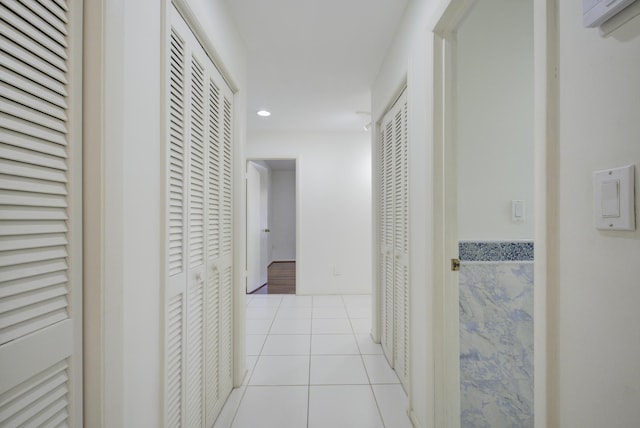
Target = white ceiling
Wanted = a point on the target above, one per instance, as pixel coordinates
(312, 62)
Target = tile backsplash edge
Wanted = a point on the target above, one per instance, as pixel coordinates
(495, 251)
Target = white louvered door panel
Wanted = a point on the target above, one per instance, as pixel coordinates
(206, 309)
(40, 214)
(386, 237)
(219, 335)
(225, 267)
(195, 281)
(213, 399)
(401, 243)
(176, 227)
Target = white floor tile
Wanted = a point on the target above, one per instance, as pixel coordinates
(287, 344)
(334, 344)
(294, 312)
(258, 326)
(296, 301)
(273, 407)
(331, 326)
(321, 301)
(367, 345)
(225, 418)
(361, 325)
(285, 326)
(393, 404)
(265, 300)
(261, 312)
(281, 370)
(359, 311)
(357, 300)
(329, 312)
(346, 406)
(254, 343)
(379, 370)
(337, 370)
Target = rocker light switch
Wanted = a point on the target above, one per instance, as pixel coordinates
(614, 198)
(610, 198)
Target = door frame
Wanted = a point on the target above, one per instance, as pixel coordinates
(298, 260)
(446, 323)
(447, 355)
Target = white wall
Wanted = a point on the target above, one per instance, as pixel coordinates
(334, 206)
(123, 71)
(283, 215)
(495, 120)
(595, 339)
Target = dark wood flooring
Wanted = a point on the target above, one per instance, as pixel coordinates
(281, 279)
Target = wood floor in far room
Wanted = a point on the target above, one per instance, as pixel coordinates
(281, 279)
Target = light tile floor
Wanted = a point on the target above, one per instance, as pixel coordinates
(311, 363)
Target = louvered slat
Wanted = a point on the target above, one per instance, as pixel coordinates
(49, 33)
(226, 332)
(214, 179)
(174, 361)
(212, 353)
(27, 50)
(33, 241)
(39, 401)
(196, 166)
(56, 7)
(195, 354)
(226, 218)
(176, 158)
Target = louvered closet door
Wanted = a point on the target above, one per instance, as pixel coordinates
(176, 228)
(196, 239)
(214, 396)
(218, 293)
(40, 214)
(401, 242)
(394, 236)
(224, 262)
(199, 217)
(385, 150)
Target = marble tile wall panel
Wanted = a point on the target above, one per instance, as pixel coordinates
(496, 344)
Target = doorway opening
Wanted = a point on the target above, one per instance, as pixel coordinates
(484, 110)
(271, 226)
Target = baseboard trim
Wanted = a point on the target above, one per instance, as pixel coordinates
(259, 288)
(281, 261)
(414, 420)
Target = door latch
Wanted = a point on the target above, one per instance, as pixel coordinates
(455, 265)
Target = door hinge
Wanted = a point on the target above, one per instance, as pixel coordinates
(455, 265)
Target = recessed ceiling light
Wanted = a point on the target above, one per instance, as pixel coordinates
(264, 113)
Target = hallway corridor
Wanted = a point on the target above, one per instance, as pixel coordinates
(311, 363)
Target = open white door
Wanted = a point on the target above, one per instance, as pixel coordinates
(256, 230)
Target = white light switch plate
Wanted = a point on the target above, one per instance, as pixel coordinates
(614, 198)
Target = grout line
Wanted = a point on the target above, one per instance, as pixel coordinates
(355, 336)
(309, 374)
